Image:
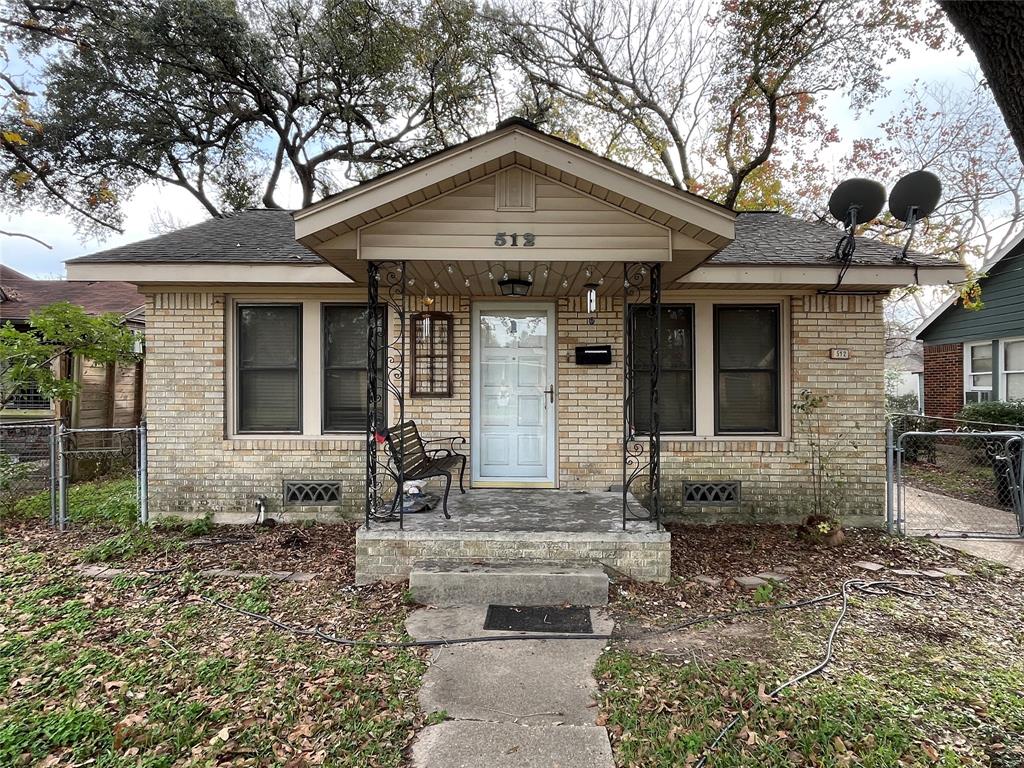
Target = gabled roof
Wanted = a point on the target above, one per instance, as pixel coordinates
(515, 142)
(1014, 248)
(25, 296)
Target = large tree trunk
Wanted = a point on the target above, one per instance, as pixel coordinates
(995, 32)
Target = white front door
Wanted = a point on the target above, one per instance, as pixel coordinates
(513, 440)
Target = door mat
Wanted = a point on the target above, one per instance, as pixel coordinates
(538, 618)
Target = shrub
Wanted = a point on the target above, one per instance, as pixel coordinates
(13, 474)
(1002, 415)
(914, 448)
(901, 403)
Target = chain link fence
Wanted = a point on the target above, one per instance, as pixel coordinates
(955, 478)
(47, 462)
(28, 464)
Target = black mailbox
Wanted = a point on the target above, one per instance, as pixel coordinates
(594, 354)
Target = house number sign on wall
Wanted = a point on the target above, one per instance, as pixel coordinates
(839, 353)
(513, 239)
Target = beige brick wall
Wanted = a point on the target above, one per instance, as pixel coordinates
(776, 474)
(194, 469)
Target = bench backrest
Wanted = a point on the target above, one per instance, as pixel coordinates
(405, 438)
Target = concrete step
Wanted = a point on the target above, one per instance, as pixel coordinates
(450, 583)
(467, 744)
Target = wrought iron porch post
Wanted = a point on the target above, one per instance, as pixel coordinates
(654, 440)
(636, 278)
(385, 294)
(372, 396)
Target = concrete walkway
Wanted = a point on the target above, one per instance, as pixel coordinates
(522, 703)
(1007, 552)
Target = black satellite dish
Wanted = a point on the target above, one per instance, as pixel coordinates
(915, 196)
(855, 201)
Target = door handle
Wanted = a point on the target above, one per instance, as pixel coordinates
(550, 392)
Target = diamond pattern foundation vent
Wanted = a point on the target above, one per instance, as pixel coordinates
(312, 492)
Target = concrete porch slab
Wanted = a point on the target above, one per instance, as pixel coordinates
(528, 510)
(493, 526)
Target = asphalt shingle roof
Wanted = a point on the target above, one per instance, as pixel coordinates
(25, 295)
(255, 236)
(769, 238)
(258, 236)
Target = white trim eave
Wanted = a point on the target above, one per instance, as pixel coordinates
(985, 267)
(883, 277)
(461, 159)
(134, 272)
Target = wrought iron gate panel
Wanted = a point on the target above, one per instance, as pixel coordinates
(385, 472)
(641, 451)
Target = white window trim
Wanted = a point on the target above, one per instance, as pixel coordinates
(312, 375)
(1003, 373)
(968, 372)
(704, 370)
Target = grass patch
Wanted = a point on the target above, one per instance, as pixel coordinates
(882, 703)
(107, 502)
(132, 673)
(125, 546)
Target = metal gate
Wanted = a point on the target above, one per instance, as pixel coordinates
(947, 483)
(108, 452)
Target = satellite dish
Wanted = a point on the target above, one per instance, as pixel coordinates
(915, 196)
(855, 201)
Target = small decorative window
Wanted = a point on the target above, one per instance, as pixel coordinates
(431, 337)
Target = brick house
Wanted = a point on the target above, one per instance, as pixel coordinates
(510, 290)
(976, 356)
(109, 395)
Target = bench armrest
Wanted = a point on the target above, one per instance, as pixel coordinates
(450, 449)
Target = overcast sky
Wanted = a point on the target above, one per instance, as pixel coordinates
(33, 259)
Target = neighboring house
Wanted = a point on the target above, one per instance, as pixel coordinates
(904, 371)
(975, 356)
(257, 341)
(110, 395)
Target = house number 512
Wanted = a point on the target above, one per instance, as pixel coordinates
(504, 238)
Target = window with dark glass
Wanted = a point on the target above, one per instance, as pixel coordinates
(344, 367)
(746, 369)
(675, 379)
(270, 368)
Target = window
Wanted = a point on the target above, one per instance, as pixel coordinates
(675, 382)
(270, 368)
(978, 372)
(344, 367)
(431, 334)
(1013, 370)
(746, 369)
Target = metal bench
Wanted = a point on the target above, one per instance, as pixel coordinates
(420, 462)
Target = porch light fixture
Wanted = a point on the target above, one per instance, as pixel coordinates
(514, 286)
(590, 295)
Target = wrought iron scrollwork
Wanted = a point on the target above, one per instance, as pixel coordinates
(385, 385)
(641, 450)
